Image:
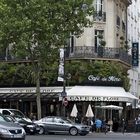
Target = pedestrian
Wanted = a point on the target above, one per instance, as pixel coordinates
(137, 124)
(98, 124)
(92, 125)
(110, 123)
(115, 125)
(104, 125)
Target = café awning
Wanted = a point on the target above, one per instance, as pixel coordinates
(99, 93)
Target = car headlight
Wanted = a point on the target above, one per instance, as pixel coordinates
(2, 130)
(23, 131)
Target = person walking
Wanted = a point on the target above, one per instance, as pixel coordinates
(98, 124)
(92, 125)
(110, 123)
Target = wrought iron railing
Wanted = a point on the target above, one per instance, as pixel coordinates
(80, 52)
(88, 52)
(99, 16)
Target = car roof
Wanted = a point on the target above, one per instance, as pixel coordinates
(55, 117)
(7, 109)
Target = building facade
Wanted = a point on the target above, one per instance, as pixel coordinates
(133, 35)
(106, 40)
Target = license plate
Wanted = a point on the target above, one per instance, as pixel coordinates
(17, 136)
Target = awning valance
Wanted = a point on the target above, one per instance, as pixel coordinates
(99, 93)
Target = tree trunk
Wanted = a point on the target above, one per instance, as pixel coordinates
(38, 98)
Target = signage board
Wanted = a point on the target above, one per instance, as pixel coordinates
(135, 54)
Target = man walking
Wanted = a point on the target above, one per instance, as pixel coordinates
(98, 124)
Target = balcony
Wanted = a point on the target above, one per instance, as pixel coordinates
(9, 59)
(103, 53)
(99, 16)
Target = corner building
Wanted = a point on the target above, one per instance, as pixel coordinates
(110, 22)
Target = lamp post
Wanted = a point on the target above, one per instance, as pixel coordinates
(62, 77)
(64, 94)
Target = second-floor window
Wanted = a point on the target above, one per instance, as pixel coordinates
(97, 38)
(98, 5)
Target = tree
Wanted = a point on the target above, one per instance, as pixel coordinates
(80, 70)
(33, 27)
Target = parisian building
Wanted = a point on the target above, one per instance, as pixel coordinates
(133, 35)
(110, 22)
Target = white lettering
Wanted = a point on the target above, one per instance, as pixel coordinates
(110, 78)
(89, 98)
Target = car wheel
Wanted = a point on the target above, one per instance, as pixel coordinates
(42, 130)
(73, 131)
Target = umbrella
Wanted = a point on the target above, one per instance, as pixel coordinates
(114, 107)
(74, 111)
(89, 112)
(110, 107)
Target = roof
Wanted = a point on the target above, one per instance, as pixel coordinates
(29, 93)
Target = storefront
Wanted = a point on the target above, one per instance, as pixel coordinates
(24, 99)
(97, 96)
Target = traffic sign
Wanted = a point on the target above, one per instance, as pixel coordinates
(65, 101)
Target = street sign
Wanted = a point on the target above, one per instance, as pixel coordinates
(135, 54)
(63, 94)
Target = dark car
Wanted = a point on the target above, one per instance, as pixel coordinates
(10, 130)
(54, 124)
(29, 127)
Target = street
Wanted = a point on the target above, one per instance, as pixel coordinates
(95, 136)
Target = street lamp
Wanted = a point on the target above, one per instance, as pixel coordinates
(64, 93)
(62, 78)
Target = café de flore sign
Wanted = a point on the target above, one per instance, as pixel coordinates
(103, 79)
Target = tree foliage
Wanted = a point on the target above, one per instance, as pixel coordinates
(36, 28)
(80, 70)
(31, 28)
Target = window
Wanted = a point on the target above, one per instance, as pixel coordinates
(58, 120)
(5, 112)
(72, 43)
(97, 39)
(118, 21)
(47, 119)
(98, 5)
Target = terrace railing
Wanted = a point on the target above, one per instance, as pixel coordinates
(89, 52)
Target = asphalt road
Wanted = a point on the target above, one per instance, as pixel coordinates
(93, 136)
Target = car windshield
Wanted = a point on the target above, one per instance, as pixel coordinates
(17, 113)
(19, 119)
(4, 119)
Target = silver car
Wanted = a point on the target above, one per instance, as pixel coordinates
(54, 124)
(10, 131)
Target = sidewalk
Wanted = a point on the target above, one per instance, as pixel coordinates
(115, 134)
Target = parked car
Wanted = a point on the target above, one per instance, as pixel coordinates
(29, 127)
(14, 112)
(54, 124)
(10, 130)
